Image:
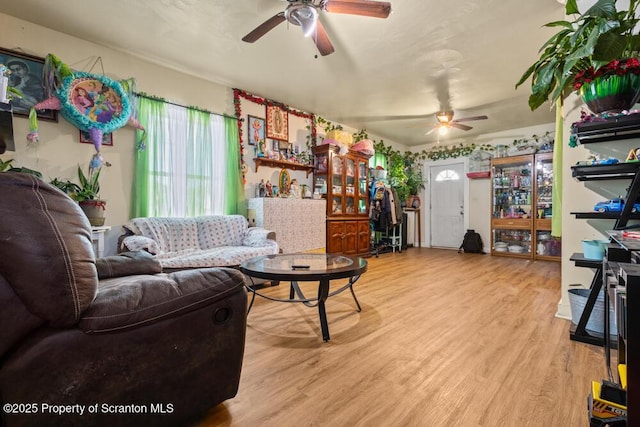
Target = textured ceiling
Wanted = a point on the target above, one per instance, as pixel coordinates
(389, 76)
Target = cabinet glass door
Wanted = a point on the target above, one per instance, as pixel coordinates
(512, 188)
(363, 187)
(337, 190)
(350, 186)
(544, 184)
(512, 241)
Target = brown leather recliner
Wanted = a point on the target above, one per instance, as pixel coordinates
(108, 342)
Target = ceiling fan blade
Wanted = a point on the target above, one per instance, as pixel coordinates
(432, 130)
(457, 125)
(321, 39)
(264, 28)
(468, 119)
(374, 9)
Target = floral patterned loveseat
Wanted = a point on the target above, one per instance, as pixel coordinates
(206, 241)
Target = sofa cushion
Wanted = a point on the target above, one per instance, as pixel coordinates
(221, 230)
(141, 243)
(133, 301)
(171, 234)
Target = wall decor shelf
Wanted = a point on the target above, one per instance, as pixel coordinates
(280, 164)
(603, 172)
(611, 172)
(609, 129)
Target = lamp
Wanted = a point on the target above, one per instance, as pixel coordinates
(303, 15)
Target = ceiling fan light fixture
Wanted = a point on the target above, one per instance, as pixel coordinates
(442, 130)
(444, 116)
(303, 15)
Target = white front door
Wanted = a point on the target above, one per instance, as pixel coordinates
(447, 205)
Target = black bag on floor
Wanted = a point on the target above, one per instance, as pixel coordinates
(471, 243)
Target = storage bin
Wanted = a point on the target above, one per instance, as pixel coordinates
(594, 249)
(578, 300)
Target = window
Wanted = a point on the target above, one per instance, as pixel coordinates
(189, 163)
(447, 175)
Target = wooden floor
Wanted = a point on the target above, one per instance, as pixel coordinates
(443, 339)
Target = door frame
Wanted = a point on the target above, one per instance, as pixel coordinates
(426, 214)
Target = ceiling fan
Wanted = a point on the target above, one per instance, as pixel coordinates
(305, 14)
(445, 121)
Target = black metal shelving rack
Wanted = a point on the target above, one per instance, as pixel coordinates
(604, 130)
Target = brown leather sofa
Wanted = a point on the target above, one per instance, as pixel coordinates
(109, 342)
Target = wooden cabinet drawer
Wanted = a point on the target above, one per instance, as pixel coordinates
(511, 223)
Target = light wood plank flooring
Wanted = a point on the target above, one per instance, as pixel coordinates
(443, 339)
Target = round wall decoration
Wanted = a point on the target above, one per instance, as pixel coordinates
(94, 103)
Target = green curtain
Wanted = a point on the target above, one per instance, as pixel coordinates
(556, 191)
(150, 111)
(200, 146)
(189, 165)
(234, 192)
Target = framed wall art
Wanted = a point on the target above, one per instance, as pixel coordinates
(26, 75)
(255, 130)
(277, 123)
(107, 138)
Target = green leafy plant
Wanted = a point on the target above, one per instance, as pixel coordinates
(65, 186)
(89, 185)
(326, 124)
(595, 38)
(5, 165)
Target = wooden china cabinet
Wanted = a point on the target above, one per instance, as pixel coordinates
(344, 182)
(521, 208)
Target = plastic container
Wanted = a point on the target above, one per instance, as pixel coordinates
(595, 324)
(594, 249)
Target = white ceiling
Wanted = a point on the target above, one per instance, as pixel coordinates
(471, 52)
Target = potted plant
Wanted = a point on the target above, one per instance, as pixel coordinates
(87, 196)
(597, 44)
(415, 183)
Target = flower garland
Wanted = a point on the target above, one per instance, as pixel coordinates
(239, 93)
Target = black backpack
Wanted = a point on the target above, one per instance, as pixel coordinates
(472, 243)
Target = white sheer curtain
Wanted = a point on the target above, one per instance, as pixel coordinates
(182, 169)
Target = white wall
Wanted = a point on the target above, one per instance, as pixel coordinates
(59, 152)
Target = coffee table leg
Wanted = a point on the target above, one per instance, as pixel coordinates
(323, 293)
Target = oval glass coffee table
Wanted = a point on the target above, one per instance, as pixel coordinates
(294, 268)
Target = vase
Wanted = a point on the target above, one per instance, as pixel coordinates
(611, 94)
(94, 210)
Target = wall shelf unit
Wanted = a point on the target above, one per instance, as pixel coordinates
(609, 129)
(620, 278)
(611, 172)
(281, 164)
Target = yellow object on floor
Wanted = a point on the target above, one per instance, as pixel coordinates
(603, 409)
(622, 373)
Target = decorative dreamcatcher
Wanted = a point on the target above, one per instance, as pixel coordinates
(94, 103)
